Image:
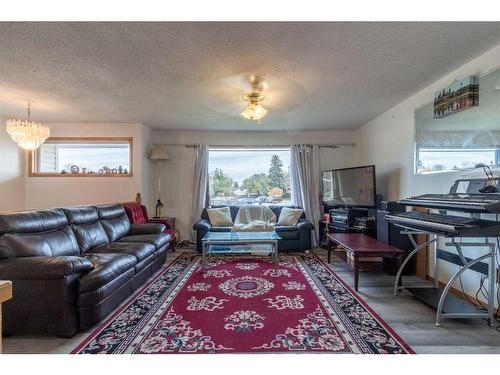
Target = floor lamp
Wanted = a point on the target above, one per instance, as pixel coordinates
(159, 154)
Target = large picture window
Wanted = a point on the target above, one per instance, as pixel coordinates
(83, 157)
(249, 176)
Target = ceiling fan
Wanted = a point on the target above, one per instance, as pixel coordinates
(253, 96)
(254, 110)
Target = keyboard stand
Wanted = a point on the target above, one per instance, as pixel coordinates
(449, 306)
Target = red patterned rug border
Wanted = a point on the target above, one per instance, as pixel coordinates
(366, 306)
(125, 304)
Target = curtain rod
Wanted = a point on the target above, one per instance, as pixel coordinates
(322, 145)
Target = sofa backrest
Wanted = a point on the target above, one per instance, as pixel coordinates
(36, 233)
(114, 219)
(234, 211)
(88, 229)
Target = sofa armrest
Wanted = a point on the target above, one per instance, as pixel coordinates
(304, 225)
(160, 221)
(202, 224)
(151, 228)
(43, 268)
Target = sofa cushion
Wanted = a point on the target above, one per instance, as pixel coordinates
(287, 232)
(107, 267)
(80, 215)
(36, 233)
(96, 296)
(114, 220)
(220, 217)
(234, 211)
(158, 240)
(88, 230)
(90, 236)
(290, 216)
(141, 250)
(277, 210)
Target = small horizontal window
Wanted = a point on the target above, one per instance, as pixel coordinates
(83, 157)
(433, 160)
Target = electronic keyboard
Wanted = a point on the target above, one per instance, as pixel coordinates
(445, 225)
(478, 203)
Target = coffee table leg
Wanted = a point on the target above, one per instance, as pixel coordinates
(329, 249)
(276, 257)
(356, 273)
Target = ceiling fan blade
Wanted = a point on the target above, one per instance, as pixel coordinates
(280, 94)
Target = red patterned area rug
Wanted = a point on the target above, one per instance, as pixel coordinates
(245, 305)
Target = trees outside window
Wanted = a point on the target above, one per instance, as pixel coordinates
(249, 176)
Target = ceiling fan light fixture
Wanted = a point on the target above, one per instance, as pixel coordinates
(254, 111)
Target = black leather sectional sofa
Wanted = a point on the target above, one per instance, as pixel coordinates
(294, 238)
(70, 267)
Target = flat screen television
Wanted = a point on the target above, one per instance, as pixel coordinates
(353, 187)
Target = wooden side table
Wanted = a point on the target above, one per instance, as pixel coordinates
(361, 246)
(5, 294)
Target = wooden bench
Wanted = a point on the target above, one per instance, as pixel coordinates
(361, 246)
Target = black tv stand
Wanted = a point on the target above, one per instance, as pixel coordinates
(352, 220)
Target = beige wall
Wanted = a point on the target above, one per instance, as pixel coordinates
(388, 142)
(11, 172)
(177, 181)
(42, 192)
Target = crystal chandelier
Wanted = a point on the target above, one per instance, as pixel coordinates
(27, 134)
(254, 110)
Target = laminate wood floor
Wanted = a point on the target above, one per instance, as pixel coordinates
(410, 318)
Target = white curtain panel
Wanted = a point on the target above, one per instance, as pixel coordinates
(305, 173)
(200, 183)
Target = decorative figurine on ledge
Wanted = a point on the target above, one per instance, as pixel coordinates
(138, 198)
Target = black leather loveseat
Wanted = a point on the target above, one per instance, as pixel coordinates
(294, 238)
(70, 267)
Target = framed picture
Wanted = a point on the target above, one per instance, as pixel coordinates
(460, 95)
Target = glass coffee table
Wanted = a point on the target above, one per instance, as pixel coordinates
(240, 243)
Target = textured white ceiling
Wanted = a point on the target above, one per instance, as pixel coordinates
(160, 73)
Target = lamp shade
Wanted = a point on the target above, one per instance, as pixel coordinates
(159, 152)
